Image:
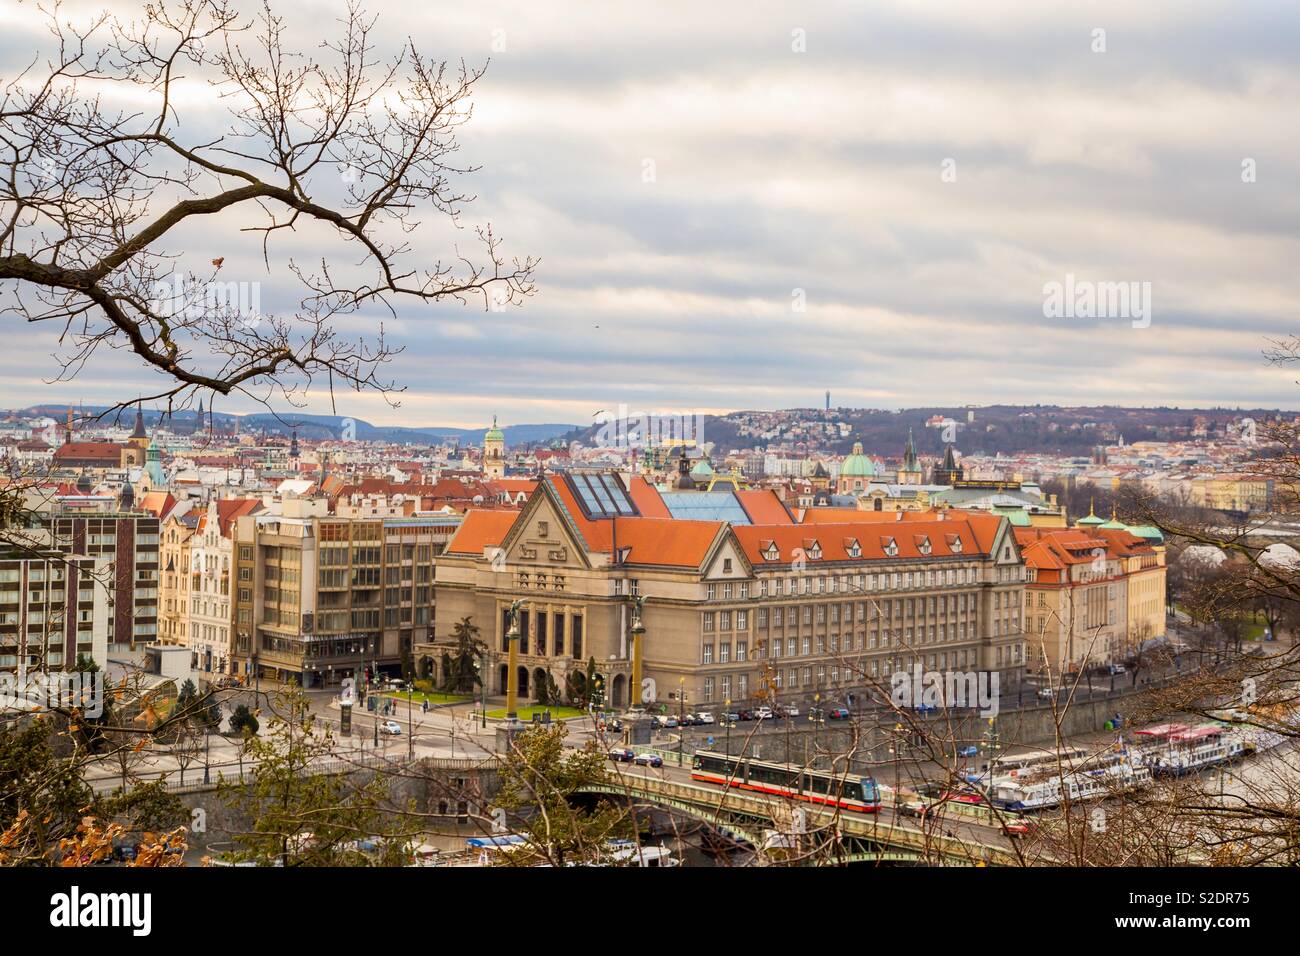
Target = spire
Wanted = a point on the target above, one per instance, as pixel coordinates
(909, 453)
(139, 431)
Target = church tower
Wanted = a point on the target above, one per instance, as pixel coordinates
(949, 472)
(910, 473)
(494, 452)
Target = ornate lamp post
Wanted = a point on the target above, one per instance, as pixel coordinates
(639, 724)
(512, 728)
(638, 632)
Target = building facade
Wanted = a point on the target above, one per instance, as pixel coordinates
(830, 609)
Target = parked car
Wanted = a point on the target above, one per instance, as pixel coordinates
(1017, 828)
(1046, 693)
(791, 710)
(1118, 669)
(731, 716)
(670, 723)
(704, 717)
(391, 727)
(657, 722)
(839, 713)
(648, 760)
(971, 751)
(746, 715)
(622, 755)
(764, 713)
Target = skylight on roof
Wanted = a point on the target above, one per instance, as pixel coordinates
(601, 495)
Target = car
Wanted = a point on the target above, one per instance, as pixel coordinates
(648, 760)
(1017, 828)
(670, 723)
(791, 710)
(391, 727)
(612, 726)
(914, 808)
(1118, 669)
(657, 722)
(971, 751)
(745, 714)
(764, 713)
(704, 717)
(731, 716)
(838, 713)
(1046, 693)
(622, 755)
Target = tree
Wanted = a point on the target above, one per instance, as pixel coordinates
(95, 203)
(42, 795)
(302, 816)
(459, 673)
(243, 721)
(540, 778)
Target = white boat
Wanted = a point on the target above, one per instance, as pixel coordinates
(1178, 750)
(1039, 789)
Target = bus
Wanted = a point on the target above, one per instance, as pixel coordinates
(844, 790)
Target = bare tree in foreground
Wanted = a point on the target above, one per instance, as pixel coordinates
(101, 196)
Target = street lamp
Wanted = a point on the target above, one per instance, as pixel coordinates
(726, 716)
(681, 716)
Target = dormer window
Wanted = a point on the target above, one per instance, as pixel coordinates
(923, 544)
(852, 548)
(770, 551)
(889, 546)
(954, 543)
(814, 550)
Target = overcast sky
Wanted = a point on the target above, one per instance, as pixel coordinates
(912, 174)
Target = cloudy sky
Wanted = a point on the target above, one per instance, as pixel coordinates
(740, 205)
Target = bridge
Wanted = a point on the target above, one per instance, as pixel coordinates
(863, 838)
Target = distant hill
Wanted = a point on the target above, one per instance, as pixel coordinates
(318, 427)
(996, 429)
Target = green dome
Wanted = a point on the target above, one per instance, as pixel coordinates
(702, 470)
(494, 433)
(857, 465)
(1090, 520)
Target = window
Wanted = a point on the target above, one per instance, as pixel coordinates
(742, 650)
(707, 656)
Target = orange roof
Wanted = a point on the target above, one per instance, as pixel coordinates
(835, 542)
(657, 541)
(232, 508)
(481, 529)
(158, 503)
(647, 499)
(764, 506)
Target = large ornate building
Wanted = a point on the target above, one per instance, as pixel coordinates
(830, 608)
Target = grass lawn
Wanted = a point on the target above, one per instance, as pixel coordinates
(526, 713)
(418, 696)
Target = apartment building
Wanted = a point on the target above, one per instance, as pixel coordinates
(830, 608)
(320, 597)
(1094, 595)
(125, 547)
(210, 609)
(52, 608)
(176, 530)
